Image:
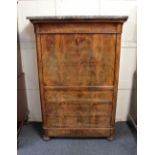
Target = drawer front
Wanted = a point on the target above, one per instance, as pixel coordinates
(77, 28)
(78, 109)
(78, 59)
(78, 122)
(78, 96)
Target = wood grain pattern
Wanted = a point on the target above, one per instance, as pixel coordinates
(78, 96)
(78, 66)
(78, 121)
(40, 76)
(78, 132)
(78, 59)
(69, 28)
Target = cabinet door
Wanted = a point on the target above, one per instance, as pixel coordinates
(78, 59)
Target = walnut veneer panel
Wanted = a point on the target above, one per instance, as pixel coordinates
(78, 121)
(81, 28)
(78, 59)
(78, 66)
(78, 96)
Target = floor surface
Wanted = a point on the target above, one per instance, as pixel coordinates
(31, 143)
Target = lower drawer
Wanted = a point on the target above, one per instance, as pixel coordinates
(75, 109)
(78, 96)
(96, 121)
(78, 103)
(78, 109)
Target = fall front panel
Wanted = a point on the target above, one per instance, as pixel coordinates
(78, 59)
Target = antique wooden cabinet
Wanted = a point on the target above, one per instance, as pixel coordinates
(78, 65)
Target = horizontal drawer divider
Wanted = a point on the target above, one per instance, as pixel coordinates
(83, 115)
(79, 88)
(81, 101)
(99, 33)
(106, 128)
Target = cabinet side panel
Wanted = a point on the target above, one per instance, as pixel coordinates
(40, 75)
(117, 62)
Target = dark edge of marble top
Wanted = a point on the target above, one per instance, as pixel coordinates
(76, 18)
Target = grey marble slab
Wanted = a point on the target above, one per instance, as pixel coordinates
(45, 18)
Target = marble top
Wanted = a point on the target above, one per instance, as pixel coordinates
(47, 18)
